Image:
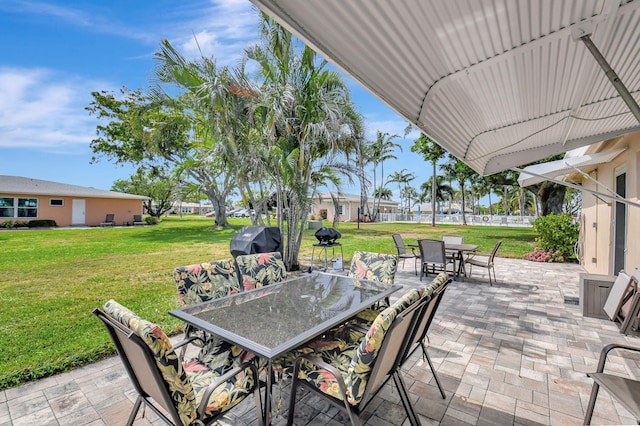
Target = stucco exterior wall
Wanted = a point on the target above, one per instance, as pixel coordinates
(96, 209)
(598, 214)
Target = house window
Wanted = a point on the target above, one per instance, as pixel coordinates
(341, 209)
(18, 207)
(56, 202)
(7, 207)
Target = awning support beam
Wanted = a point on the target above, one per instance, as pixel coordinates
(612, 76)
(598, 194)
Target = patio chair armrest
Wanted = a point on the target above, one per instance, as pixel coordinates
(325, 366)
(229, 374)
(186, 342)
(605, 352)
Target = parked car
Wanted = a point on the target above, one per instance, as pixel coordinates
(242, 213)
(211, 214)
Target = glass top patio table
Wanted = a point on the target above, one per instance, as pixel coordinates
(272, 320)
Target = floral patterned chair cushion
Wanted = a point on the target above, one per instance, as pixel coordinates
(367, 316)
(202, 282)
(224, 397)
(166, 359)
(437, 282)
(261, 269)
(355, 361)
(187, 382)
(205, 281)
(374, 266)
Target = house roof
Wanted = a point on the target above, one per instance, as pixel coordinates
(353, 198)
(498, 83)
(23, 185)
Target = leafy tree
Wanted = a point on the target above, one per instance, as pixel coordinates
(432, 152)
(158, 184)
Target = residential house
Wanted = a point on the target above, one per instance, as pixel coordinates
(608, 175)
(26, 199)
(347, 206)
(610, 229)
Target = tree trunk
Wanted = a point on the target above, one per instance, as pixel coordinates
(551, 197)
(434, 193)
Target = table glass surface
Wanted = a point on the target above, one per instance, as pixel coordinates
(274, 319)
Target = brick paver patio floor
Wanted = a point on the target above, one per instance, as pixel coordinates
(514, 353)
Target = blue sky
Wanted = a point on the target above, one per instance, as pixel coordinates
(53, 54)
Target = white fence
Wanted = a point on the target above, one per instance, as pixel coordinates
(488, 220)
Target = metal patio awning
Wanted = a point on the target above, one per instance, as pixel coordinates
(554, 169)
(498, 83)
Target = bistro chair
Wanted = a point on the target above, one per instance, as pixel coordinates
(351, 374)
(202, 282)
(402, 252)
(625, 390)
(432, 255)
(137, 219)
(260, 269)
(109, 220)
(484, 262)
(196, 392)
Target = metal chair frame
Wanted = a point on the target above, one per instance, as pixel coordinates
(402, 251)
(148, 382)
(385, 367)
(488, 263)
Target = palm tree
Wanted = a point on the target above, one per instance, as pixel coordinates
(309, 121)
(383, 193)
(381, 149)
(461, 173)
(442, 192)
(401, 177)
(218, 122)
(433, 152)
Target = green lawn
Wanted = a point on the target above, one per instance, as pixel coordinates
(52, 279)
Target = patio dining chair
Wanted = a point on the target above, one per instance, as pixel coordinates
(182, 393)
(625, 390)
(452, 239)
(484, 262)
(202, 282)
(434, 290)
(351, 374)
(432, 256)
(137, 220)
(379, 267)
(402, 252)
(260, 269)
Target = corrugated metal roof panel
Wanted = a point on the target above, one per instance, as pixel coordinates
(498, 83)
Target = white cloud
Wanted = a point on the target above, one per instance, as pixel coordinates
(222, 29)
(41, 110)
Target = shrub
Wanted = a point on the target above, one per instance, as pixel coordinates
(152, 220)
(6, 224)
(539, 255)
(42, 223)
(556, 237)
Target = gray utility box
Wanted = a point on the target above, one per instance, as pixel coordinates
(594, 290)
